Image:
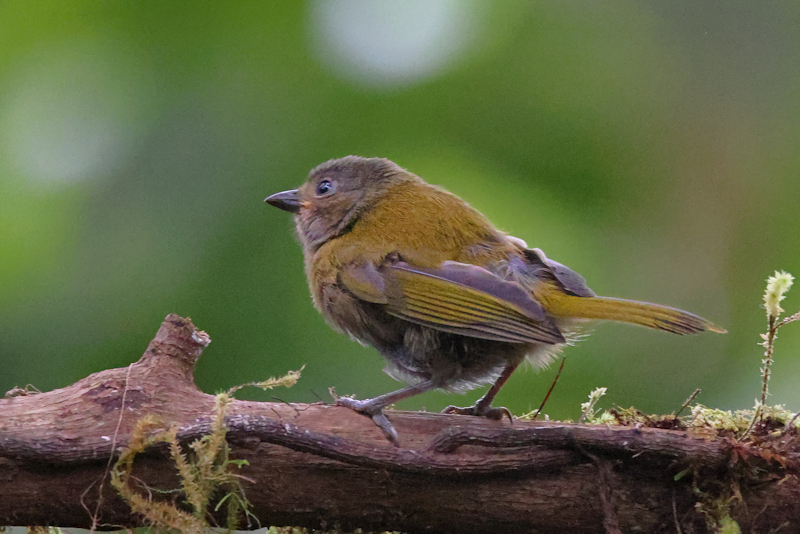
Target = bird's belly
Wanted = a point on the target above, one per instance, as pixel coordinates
(415, 353)
(452, 361)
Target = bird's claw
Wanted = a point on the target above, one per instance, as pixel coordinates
(479, 410)
(383, 423)
(364, 407)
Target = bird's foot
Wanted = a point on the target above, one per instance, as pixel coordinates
(481, 410)
(374, 412)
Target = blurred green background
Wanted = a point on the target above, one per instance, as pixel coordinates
(651, 146)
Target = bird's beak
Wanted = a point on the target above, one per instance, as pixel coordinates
(285, 200)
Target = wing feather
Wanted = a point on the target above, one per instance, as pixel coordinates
(467, 300)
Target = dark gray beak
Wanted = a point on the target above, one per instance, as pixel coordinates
(285, 200)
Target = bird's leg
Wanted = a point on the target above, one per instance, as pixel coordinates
(484, 405)
(373, 408)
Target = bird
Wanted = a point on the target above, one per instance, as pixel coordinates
(448, 300)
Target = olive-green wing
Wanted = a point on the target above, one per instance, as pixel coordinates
(454, 297)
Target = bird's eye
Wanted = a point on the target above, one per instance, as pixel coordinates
(325, 188)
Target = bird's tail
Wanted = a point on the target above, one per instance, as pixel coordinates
(628, 311)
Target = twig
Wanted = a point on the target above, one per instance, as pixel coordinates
(678, 529)
(790, 424)
(549, 391)
(688, 401)
(111, 456)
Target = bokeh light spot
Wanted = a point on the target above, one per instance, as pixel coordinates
(74, 112)
(384, 43)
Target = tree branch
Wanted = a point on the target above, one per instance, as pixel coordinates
(316, 465)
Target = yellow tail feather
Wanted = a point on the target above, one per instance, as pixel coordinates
(628, 311)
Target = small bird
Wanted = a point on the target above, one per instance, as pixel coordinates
(449, 301)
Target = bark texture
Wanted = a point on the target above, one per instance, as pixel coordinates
(324, 466)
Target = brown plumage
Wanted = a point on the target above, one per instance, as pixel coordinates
(447, 299)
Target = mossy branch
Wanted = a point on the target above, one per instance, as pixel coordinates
(303, 461)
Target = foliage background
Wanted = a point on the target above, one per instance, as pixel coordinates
(651, 146)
